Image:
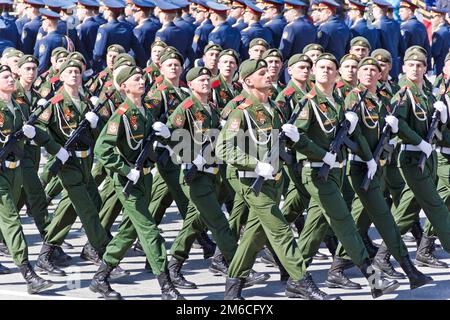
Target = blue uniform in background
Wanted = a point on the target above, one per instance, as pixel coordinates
(276, 26)
(440, 46)
(99, 19)
(253, 31)
(145, 32)
(179, 38)
(361, 29)
(297, 35)
(29, 34)
(201, 37)
(414, 33)
(240, 25)
(44, 47)
(87, 33)
(21, 22)
(334, 36)
(9, 35)
(226, 36)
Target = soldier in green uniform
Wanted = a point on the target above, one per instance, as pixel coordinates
(319, 120)
(257, 47)
(153, 64)
(274, 60)
(313, 51)
(347, 71)
(12, 118)
(124, 135)
(43, 84)
(360, 47)
(370, 206)
(61, 118)
(211, 55)
(256, 117)
(222, 86)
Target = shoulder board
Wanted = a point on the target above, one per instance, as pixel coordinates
(148, 69)
(159, 79)
(357, 90)
(122, 109)
(54, 79)
(311, 94)
(339, 84)
(247, 103)
(215, 84)
(108, 84)
(57, 99)
(148, 105)
(189, 103)
(102, 74)
(162, 87)
(238, 98)
(289, 91)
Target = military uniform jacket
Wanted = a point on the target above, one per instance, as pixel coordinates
(226, 36)
(342, 88)
(291, 94)
(201, 37)
(276, 26)
(334, 36)
(230, 106)
(440, 46)
(221, 92)
(414, 33)
(297, 35)
(102, 77)
(253, 31)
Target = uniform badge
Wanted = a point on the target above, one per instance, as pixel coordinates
(323, 107)
(369, 105)
(223, 95)
(304, 114)
(134, 122)
(45, 92)
(113, 128)
(234, 125)
(2, 119)
(68, 114)
(196, 37)
(319, 34)
(285, 35)
(178, 120)
(260, 117)
(45, 115)
(20, 100)
(104, 112)
(42, 48)
(199, 117)
(99, 36)
(226, 112)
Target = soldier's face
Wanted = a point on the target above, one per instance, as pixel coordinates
(59, 63)
(274, 65)
(236, 12)
(377, 12)
(135, 85)
(81, 13)
(348, 70)
(201, 85)
(71, 76)
(171, 69)
(7, 83)
(313, 54)
(404, 13)
(368, 75)
(436, 20)
(315, 15)
(28, 72)
(325, 72)
(111, 58)
(359, 51)
(414, 70)
(211, 59)
(385, 69)
(300, 71)
(12, 63)
(260, 80)
(256, 52)
(156, 54)
(227, 66)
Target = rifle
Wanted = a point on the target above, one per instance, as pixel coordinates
(383, 143)
(78, 135)
(165, 155)
(257, 185)
(433, 127)
(284, 155)
(341, 139)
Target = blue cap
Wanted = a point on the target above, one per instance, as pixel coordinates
(35, 2)
(382, 3)
(439, 10)
(144, 3)
(89, 3)
(217, 7)
(49, 13)
(114, 4)
(165, 5)
(67, 4)
(278, 2)
(353, 4)
(6, 2)
(330, 3)
(294, 3)
(180, 3)
(200, 2)
(253, 6)
(53, 3)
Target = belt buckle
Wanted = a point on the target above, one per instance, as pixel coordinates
(215, 170)
(12, 165)
(145, 171)
(383, 162)
(84, 154)
(277, 176)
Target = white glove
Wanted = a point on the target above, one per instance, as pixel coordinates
(264, 170)
(63, 155)
(425, 147)
(353, 119)
(161, 129)
(134, 175)
(392, 122)
(442, 108)
(393, 142)
(92, 118)
(371, 168)
(29, 131)
(291, 132)
(222, 123)
(329, 159)
(199, 161)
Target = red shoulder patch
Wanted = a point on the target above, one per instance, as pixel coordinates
(215, 84)
(189, 103)
(57, 99)
(310, 94)
(162, 87)
(102, 74)
(159, 79)
(54, 79)
(108, 84)
(122, 109)
(357, 90)
(289, 91)
(148, 69)
(247, 103)
(238, 98)
(339, 84)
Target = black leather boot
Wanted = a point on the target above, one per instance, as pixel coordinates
(45, 264)
(100, 284)
(4, 270)
(268, 258)
(148, 267)
(168, 290)
(4, 250)
(60, 258)
(370, 247)
(35, 284)
(331, 242)
(425, 256)
(337, 278)
(416, 278)
(118, 273)
(219, 266)
(382, 262)
(90, 254)
(66, 245)
(255, 278)
(233, 289)
(378, 286)
(284, 275)
(299, 223)
(306, 289)
(177, 277)
(417, 232)
(208, 246)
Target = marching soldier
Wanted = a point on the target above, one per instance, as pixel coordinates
(31, 28)
(201, 34)
(88, 27)
(274, 61)
(313, 51)
(257, 48)
(276, 21)
(211, 58)
(222, 85)
(223, 33)
(348, 78)
(146, 28)
(43, 84)
(154, 64)
(360, 47)
(440, 43)
(360, 26)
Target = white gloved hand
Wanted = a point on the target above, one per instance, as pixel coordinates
(29, 131)
(371, 168)
(264, 170)
(199, 162)
(443, 112)
(353, 119)
(134, 175)
(63, 155)
(393, 142)
(92, 118)
(329, 159)
(222, 123)
(392, 122)
(291, 132)
(425, 147)
(161, 129)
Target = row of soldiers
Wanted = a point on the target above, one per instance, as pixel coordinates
(42, 25)
(229, 116)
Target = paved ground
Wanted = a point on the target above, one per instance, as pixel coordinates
(142, 285)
